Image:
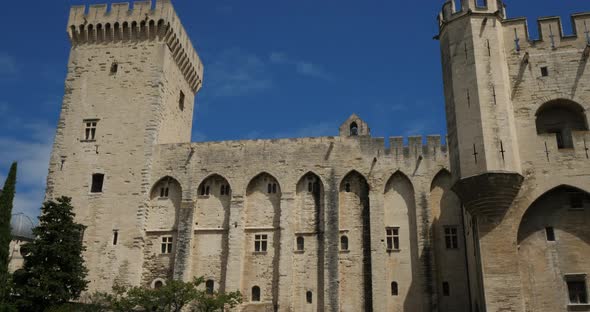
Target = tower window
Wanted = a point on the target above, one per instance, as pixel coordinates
(550, 234)
(224, 189)
(309, 297)
(209, 286)
(167, 245)
(97, 182)
(158, 284)
(115, 237)
(343, 243)
(392, 235)
(394, 289)
(181, 101)
(164, 191)
(544, 71)
(451, 238)
(260, 242)
(446, 288)
(272, 188)
(576, 288)
(205, 190)
(90, 129)
(256, 294)
(347, 187)
(310, 187)
(114, 68)
(300, 243)
(354, 129)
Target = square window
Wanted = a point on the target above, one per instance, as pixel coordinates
(451, 237)
(544, 71)
(97, 182)
(576, 287)
(167, 245)
(260, 242)
(90, 129)
(576, 200)
(392, 234)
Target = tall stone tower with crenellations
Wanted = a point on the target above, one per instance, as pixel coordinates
(132, 78)
(495, 221)
(518, 141)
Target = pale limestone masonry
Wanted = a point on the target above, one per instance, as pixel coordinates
(333, 223)
(519, 149)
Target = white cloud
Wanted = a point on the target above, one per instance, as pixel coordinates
(7, 65)
(301, 67)
(236, 73)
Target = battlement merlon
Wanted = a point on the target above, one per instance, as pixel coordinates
(551, 31)
(117, 22)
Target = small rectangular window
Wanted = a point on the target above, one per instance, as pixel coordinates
(576, 287)
(181, 101)
(115, 237)
(451, 237)
(260, 242)
(167, 244)
(90, 129)
(446, 288)
(550, 233)
(544, 71)
(392, 238)
(97, 182)
(576, 200)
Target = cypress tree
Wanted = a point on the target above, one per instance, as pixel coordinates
(54, 271)
(6, 199)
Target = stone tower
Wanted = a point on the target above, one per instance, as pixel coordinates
(509, 100)
(132, 78)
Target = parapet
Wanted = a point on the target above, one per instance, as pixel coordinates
(451, 9)
(119, 22)
(551, 32)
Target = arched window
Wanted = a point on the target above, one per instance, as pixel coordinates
(394, 290)
(309, 297)
(300, 243)
(354, 129)
(158, 284)
(343, 243)
(561, 117)
(347, 187)
(209, 286)
(256, 294)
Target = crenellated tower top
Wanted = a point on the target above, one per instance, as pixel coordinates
(145, 21)
(456, 8)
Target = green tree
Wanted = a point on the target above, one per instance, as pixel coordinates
(216, 301)
(6, 199)
(53, 271)
(175, 296)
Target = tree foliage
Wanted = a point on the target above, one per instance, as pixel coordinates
(53, 271)
(175, 296)
(6, 199)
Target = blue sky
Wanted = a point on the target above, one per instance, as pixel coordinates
(272, 69)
